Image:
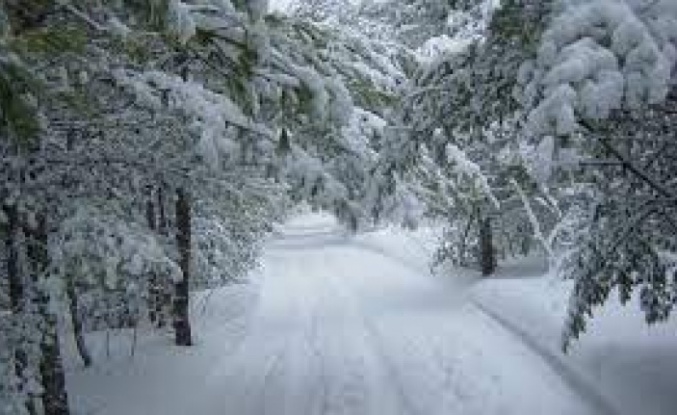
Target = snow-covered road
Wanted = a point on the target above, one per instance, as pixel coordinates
(335, 324)
(342, 327)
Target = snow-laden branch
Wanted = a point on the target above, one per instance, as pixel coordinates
(597, 57)
(546, 242)
(625, 162)
(82, 16)
(465, 167)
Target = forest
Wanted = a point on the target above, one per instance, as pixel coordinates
(150, 150)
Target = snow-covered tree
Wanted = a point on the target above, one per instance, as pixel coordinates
(459, 125)
(146, 147)
(151, 150)
(333, 125)
(581, 93)
(74, 136)
(601, 85)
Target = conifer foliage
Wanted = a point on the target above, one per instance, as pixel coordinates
(560, 114)
(147, 148)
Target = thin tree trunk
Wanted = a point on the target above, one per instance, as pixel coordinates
(487, 251)
(153, 282)
(16, 289)
(76, 322)
(108, 342)
(163, 298)
(181, 288)
(525, 246)
(135, 335)
(464, 241)
(54, 395)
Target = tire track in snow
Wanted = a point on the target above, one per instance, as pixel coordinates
(578, 384)
(345, 358)
(245, 377)
(377, 347)
(391, 370)
(313, 340)
(298, 384)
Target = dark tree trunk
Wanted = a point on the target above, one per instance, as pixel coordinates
(487, 250)
(16, 289)
(16, 286)
(525, 246)
(462, 259)
(76, 322)
(181, 288)
(153, 282)
(54, 395)
(163, 296)
(162, 215)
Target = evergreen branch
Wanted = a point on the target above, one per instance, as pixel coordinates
(651, 181)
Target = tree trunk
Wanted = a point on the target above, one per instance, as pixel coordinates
(464, 242)
(163, 296)
(487, 251)
(181, 288)
(525, 246)
(153, 281)
(16, 287)
(16, 290)
(76, 322)
(54, 395)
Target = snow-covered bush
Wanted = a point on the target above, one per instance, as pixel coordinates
(110, 261)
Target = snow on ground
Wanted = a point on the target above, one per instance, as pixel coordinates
(340, 324)
(159, 378)
(632, 366)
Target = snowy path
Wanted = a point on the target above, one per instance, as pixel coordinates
(334, 325)
(342, 327)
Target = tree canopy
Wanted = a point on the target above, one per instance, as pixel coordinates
(148, 147)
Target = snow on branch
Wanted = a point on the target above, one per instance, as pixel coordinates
(465, 167)
(596, 57)
(209, 113)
